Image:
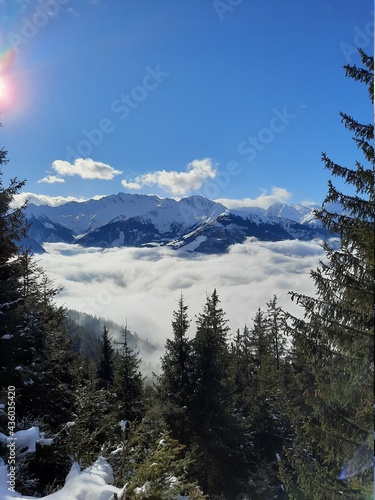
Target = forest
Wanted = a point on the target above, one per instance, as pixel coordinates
(282, 408)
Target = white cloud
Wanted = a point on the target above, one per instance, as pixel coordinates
(178, 183)
(131, 185)
(277, 195)
(310, 203)
(42, 199)
(143, 284)
(51, 179)
(86, 168)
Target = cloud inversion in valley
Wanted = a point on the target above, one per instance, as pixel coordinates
(142, 285)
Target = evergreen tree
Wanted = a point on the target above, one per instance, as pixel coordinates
(128, 382)
(332, 393)
(12, 230)
(260, 345)
(261, 402)
(154, 465)
(40, 356)
(29, 318)
(94, 423)
(217, 430)
(105, 364)
(274, 321)
(35, 356)
(174, 383)
(243, 371)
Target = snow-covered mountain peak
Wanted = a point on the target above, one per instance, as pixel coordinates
(297, 213)
(125, 219)
(183, 215)
(84, 216)
(291, 212)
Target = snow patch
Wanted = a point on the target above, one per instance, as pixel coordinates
(143, 489)
(93, 483)
(26, 440)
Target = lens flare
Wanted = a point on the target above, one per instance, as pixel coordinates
(7, 84)
(6, 59)
(7, 97)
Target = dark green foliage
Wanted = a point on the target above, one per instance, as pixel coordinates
(332, 390)
(94, 423)
(274, 322)
(153, 465)
(128, 382)
(259, 371)
(106, 359)
(12, 229)
(226, 404)
(175, 382)
(35, 355)
(217, 431)
(40, 356)
(86, 341)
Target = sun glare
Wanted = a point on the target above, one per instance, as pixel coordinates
(4, 94)
(7, 97)
(7, 94)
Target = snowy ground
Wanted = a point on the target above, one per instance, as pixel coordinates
(93, 483)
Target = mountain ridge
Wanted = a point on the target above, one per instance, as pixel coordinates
(194, 222)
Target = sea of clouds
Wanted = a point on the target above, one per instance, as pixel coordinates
(141, 286)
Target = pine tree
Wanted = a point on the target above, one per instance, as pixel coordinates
(174, 384)
(94, 423)
(128, 382)
(35, 354)
(274, 321)
(105, 364)
(333, 343)
(217, 430)
(261, 401)
(155, 466)
(40, 356)
(12, 229)
(260, 344)
(243, 371)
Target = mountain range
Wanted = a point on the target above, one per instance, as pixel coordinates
(195, 223)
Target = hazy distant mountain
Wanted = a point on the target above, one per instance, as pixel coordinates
(193, 223)
(86, 330)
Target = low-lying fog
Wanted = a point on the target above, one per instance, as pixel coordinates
(142, 285)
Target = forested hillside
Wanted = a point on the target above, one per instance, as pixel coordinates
(86, 330)
(281, 408)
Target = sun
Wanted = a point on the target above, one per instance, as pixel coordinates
(6, 94)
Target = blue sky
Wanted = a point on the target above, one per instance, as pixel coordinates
(233, 100)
